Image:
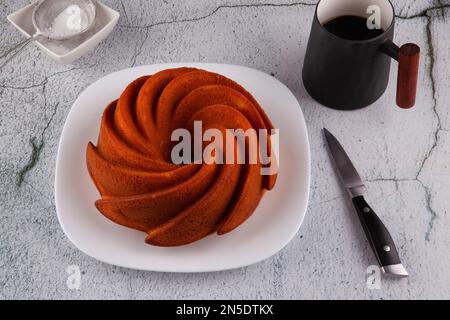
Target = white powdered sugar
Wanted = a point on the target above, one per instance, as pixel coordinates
(71, 21)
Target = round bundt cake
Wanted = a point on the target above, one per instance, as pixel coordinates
(131, 165)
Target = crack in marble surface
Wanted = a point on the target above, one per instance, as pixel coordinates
(124, 11)
(40, 193)
(424, 12)
(428, 199)
(217, 9)
(39, 84)
(15, 50)
(433, 213)
(138, 49)
(36, 150)
(315, 204)
(433, 91)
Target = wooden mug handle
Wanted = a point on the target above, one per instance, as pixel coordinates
(408, 70)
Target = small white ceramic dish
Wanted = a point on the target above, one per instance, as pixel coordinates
(67, 51)
(273, 224)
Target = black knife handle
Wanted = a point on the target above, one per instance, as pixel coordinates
(377, 234)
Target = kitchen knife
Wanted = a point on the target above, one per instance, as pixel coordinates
(377, 234)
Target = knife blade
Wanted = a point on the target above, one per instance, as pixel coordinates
(376, 232)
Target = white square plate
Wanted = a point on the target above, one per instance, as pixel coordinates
(273, 224)
(67, 51)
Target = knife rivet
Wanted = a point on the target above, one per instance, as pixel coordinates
(366, 209)
(387, 248)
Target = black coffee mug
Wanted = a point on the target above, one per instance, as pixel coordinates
(347, 71)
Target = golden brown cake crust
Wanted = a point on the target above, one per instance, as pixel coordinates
(142, 189)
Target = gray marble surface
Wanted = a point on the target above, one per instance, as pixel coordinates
(404, 156)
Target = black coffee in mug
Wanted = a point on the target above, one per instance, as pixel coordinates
(352, 28)
(347, 64)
